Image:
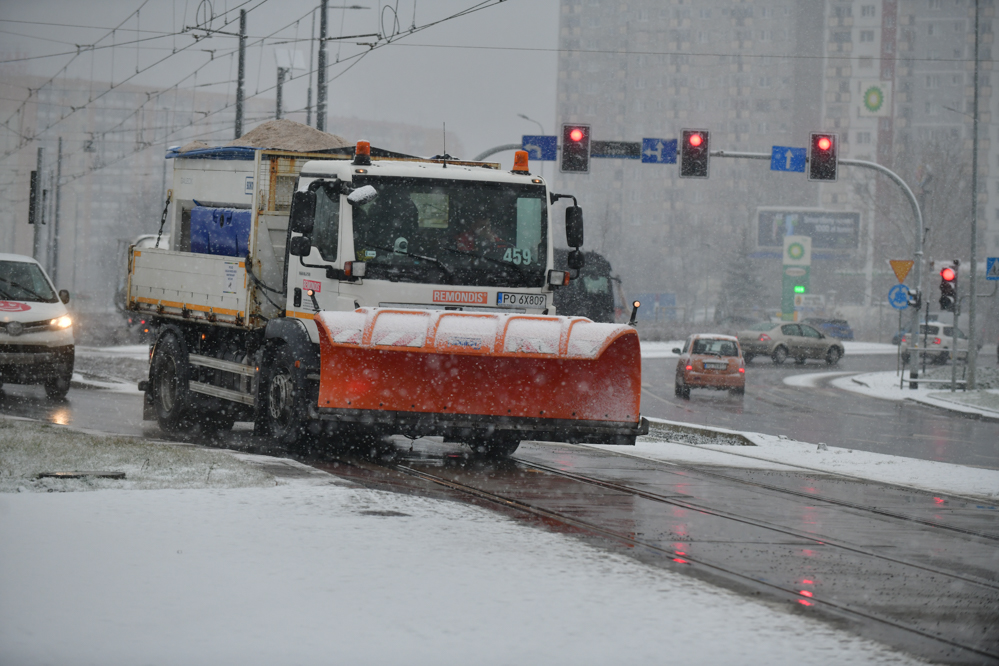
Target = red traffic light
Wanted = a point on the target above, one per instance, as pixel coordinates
(695, 140)
(824, 143)
(948, 274)
(576, 134)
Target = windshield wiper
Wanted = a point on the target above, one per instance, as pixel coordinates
(433, 260)
(17, 286)
(519, 267)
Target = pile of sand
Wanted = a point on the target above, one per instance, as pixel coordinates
(288, 135)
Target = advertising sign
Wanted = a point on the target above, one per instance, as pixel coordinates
(828, 230)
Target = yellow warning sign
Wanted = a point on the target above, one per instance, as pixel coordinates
(901, 268)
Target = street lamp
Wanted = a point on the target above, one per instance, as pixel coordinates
(541, 127)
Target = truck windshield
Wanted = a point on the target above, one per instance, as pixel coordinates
(24, 281)
(477, 233)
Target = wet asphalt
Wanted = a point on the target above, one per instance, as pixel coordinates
(912, 569)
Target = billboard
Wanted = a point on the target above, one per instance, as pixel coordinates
(829, 230)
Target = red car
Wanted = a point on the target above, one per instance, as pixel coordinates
(710, 361)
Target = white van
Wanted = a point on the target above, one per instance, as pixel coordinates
(36, 331)
(939, 339)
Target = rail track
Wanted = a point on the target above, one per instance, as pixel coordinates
(728, 568)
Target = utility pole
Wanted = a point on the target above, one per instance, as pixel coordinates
(281, 71)
(241, 75)
(321, 70)
(972, 345)
(308, 97)
(54, 267)
(36, 208)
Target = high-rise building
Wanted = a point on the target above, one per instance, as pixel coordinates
(881, 74)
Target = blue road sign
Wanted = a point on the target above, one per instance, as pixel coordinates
(898, 297)
(992, 268)
(659, 151)
(540, 147)
(784, 158)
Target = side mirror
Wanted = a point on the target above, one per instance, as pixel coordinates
(677, 350)
(575, 260)
(300, 246)
(362, 195)
(303, 212)
(574, 226)
(64, 296)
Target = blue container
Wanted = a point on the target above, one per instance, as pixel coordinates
(220, 231)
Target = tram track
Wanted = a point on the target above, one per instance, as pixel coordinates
(684, 558)
(690, 469)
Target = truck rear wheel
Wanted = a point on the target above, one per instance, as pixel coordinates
(171, 394)
(286, 396)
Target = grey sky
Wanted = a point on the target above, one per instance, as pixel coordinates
(478, 93)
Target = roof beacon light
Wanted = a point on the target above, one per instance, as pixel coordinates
(520, 160)
(362, 154)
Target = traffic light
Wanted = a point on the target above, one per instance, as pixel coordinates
(948, 287)
(822, 156)
(575, 149)
(694, 154)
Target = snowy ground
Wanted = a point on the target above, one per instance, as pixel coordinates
(886, 385)
(780, 453)
(314, 570)
(851, 348)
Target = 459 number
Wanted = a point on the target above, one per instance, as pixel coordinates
(517, 256)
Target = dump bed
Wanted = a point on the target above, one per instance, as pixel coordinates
(215, 263)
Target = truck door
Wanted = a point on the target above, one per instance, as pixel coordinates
(310, 272)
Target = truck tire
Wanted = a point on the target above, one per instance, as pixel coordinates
(171, 394)
(286, 396)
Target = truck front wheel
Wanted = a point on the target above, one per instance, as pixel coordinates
(171, 395)
(286, 398)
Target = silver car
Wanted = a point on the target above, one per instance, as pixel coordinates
(939, 340)
(780, 340)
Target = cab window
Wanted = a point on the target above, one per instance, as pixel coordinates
(686, 345)
(326, 229)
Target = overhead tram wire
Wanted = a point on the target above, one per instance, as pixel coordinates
(76, 55)
(356, 57)
(113, 86)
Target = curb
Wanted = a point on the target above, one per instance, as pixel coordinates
(681, 432)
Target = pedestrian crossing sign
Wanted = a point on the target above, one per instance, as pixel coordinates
(992, 268)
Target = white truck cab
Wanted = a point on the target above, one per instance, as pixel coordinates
(36, 331)
(418, 235)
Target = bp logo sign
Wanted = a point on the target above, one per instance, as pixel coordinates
(874, 99)
(796, 251)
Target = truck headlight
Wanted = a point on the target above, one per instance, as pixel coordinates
(61, 322)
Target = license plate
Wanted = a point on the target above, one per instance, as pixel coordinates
(511, 299)
(715, 366)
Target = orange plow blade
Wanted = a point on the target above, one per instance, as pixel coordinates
(480, 375)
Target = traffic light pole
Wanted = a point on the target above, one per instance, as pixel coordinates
(917, 213)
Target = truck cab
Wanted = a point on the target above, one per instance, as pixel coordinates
(435, 236)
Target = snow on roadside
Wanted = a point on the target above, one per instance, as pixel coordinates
(885, 385)
(28, 449)
(317, 571)
(653, 349)
(782, 454)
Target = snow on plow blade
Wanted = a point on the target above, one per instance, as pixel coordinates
(469, 376)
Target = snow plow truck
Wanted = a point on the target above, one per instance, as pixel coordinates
(341, 298)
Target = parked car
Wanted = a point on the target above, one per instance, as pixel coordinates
(36, 331)
(939, 339)
(785, 339)
(710, 361)
(834, 328)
